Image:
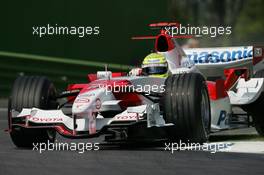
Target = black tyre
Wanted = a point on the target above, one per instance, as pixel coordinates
(28, 92)
(255, 109)
(187, 105)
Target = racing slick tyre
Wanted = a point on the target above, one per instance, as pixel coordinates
(254, 108)
(28, 92)
(186, 105)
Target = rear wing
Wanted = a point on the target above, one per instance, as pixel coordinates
(213, 60)
(162, 26)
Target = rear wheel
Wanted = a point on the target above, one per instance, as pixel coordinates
(254, 109)
(187, 105)
(28, 92)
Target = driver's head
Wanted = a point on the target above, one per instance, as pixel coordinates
(155, 65)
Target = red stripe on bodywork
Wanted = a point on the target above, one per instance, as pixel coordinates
(232, 76)
(93, 77)
(64, 131)
(216, 89)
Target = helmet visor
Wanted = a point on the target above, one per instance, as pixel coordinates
(154, 70)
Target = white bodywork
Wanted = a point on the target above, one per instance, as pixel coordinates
(246, 91)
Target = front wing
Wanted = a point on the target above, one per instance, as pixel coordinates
(90, 126)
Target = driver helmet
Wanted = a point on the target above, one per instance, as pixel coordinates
(155, 65)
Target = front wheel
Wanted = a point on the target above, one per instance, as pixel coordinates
(187, 106)
(31, 92)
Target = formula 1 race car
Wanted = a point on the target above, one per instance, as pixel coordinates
(198, 97)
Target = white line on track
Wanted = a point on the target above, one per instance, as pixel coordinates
(247, 147)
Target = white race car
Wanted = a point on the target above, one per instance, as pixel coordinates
(197, 98)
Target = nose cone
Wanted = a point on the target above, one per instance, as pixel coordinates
(88, 102)
(80, 105)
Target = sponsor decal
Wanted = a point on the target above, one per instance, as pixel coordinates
(92, 124)
(222, 117)
(126, 117)
(82, 100)
(44, 119)
(223, 56)
(154, 61)
(98, 103)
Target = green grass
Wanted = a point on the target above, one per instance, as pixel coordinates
(62, 71)
(71, 61)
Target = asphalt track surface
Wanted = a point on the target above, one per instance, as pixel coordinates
(119, 160)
